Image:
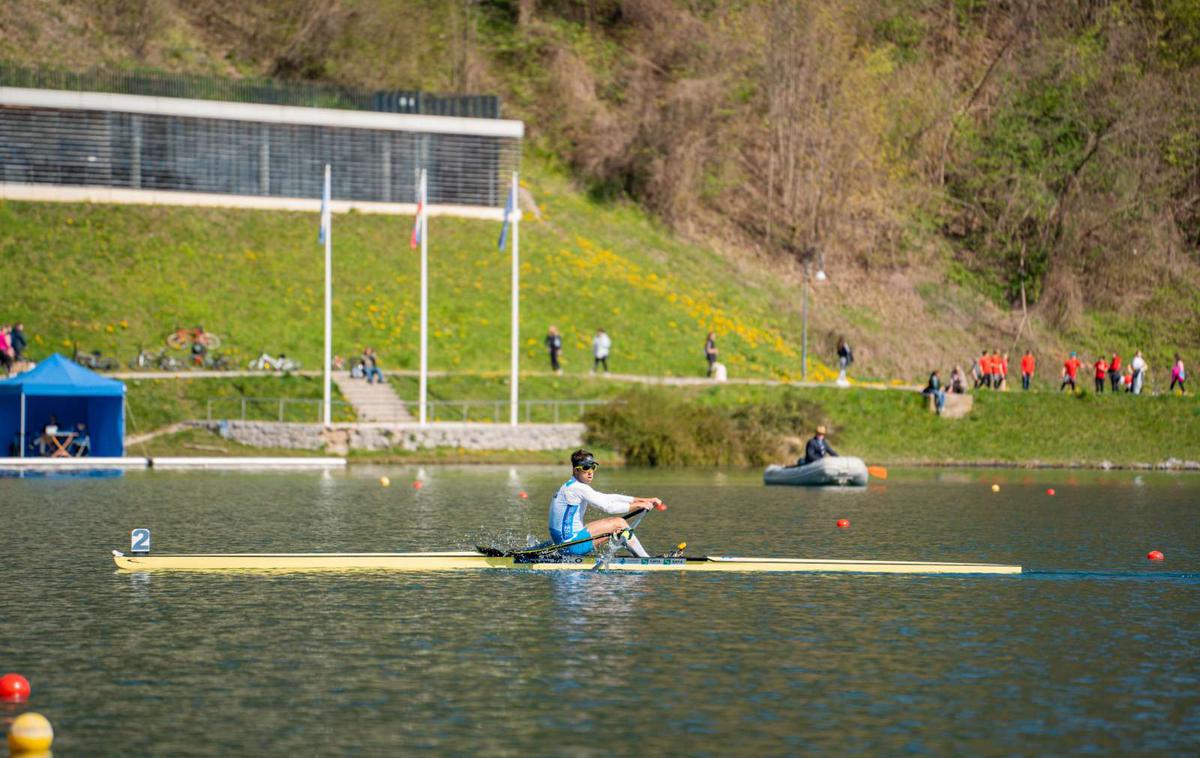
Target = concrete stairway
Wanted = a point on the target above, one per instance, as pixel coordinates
(372, 402)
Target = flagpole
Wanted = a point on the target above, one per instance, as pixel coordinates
(423, 201)
(516, 302)
(328, 296)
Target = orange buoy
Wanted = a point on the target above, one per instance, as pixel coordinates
(418, 484)
(843, 523)
(1155, 555)
(523, 494)
(1050, 491)
(14, 688)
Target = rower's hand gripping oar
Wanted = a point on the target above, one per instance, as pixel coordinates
(640, 513)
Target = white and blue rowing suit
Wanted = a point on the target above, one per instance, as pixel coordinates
(567, 509)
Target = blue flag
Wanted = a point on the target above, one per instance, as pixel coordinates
(509, 207)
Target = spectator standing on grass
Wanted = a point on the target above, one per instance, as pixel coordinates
(601, 345)
(1027, 366)
(554, 345)
(1114, 372)
(1178, 376)
(977, 370)
(6, 351)
(845, 358)
(17, 341)
(1070, 371)
(1004, 372)
(989, 372)
(1138, 365)
(710, 351)
(1101, 373)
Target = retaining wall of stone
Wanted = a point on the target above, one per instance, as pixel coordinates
(341, 438)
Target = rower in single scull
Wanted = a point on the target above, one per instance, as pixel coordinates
(574, 497)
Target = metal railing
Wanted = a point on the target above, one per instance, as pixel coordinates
(308, 410)
(294, 409)
(267, 91)
(497, 411)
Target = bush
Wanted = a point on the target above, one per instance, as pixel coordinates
(654, 427)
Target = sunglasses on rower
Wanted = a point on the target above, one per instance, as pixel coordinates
(587, 466)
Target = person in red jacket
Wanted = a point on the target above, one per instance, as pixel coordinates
(1027, 365)
(1114, 372)
(1070, 371)
(1101, 367)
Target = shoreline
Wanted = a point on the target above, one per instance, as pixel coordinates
(1171, 464)
(545, 457)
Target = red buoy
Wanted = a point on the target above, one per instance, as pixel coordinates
(1050, 491)
(843, 523)
(1155, 555)
(418, 484)
(523, 494)
(14, 688)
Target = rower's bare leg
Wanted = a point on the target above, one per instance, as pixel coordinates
(605, 526)
(616, 524)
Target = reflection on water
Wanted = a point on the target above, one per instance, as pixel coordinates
(1093, 651)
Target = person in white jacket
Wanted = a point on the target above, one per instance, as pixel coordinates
(1139, 372)
(572, 501)
(601, 345)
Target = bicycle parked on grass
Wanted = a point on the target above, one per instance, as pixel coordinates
(265, 362)
(151, 360)
(182, 338)
(216, 362)
(95, 361)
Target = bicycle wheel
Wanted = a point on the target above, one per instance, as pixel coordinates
(209, 340)
(177, 340)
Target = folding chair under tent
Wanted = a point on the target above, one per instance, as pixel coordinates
(72, 394)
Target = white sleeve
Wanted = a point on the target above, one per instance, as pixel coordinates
(614, 504)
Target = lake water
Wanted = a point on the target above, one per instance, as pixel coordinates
(1094, 650)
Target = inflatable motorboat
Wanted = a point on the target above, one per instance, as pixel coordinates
(831, 471)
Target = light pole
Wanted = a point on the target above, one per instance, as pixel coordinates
(807, 256)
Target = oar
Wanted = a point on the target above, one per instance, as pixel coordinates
(879, 472)
(498, 553)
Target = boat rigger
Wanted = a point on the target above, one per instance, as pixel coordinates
(468, 560)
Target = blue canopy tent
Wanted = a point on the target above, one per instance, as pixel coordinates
(72, 394)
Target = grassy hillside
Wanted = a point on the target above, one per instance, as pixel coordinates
(114, 278)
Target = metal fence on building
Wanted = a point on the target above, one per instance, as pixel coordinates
(88, 139)
(268, 91)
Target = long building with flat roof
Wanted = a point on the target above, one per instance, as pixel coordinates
(73, 145)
